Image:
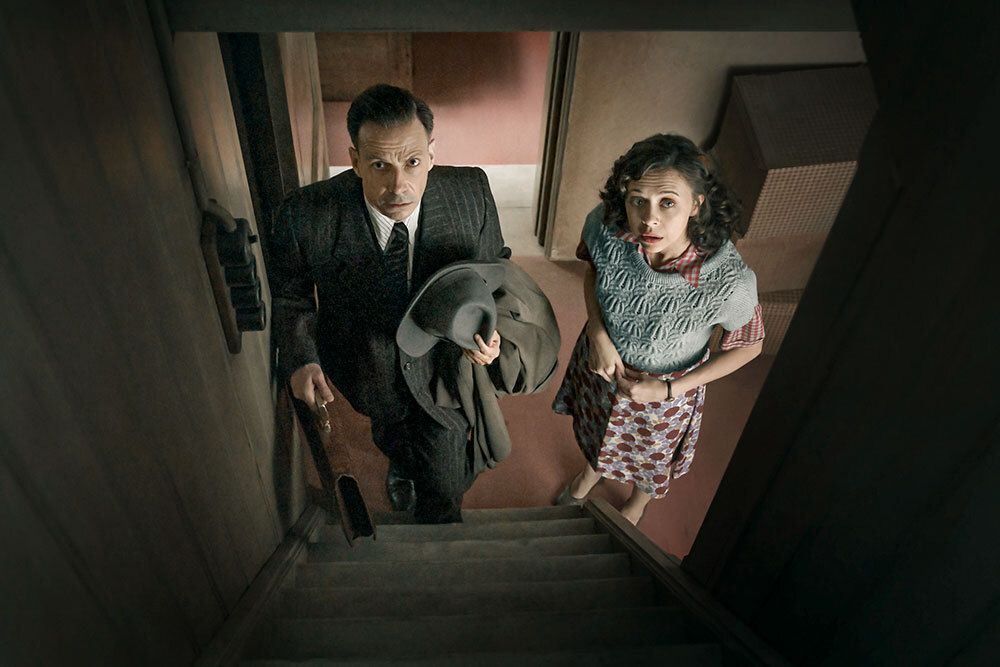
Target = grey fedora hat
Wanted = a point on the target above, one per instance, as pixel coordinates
(454, 304)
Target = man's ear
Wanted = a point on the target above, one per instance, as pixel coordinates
(355, 158)
(430, 152)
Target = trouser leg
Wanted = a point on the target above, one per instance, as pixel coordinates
(437, 459)
(442, 465)
(393, 440)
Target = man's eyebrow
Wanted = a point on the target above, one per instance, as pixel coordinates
(369, 155)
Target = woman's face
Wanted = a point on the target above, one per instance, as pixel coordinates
(658, 206)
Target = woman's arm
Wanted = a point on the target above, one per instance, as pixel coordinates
(719, 365)
(645, 389)
(604, 358)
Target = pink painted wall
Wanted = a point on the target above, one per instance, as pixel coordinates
(486, 90)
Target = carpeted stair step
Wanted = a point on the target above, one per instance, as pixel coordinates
(430, 636)
(490, 515)
(384, 574)
(460, 549)
(467, 599)
(675, 655)
(481, 530)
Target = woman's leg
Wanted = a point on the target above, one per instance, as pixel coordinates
(584, 481)
(635, 505)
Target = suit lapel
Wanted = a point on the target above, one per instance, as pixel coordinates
(434, 233)
(360, 215)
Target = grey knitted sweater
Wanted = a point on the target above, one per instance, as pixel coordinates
(657, 321)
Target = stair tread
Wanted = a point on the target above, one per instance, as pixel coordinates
(427, 636)
(391, 574)
(492, 514)
(469, 531)
(460, 549)
(465, 599)
(676, 655)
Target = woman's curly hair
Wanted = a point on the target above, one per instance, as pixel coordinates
(718, 217)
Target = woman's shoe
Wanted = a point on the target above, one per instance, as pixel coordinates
(641, 514)
(566, 496)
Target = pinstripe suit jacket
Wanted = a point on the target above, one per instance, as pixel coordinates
(323, 238)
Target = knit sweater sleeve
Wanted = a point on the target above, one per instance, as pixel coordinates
(741, 303)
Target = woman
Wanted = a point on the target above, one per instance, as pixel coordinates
(663, 273)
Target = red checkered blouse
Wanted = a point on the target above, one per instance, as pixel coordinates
(688, 264)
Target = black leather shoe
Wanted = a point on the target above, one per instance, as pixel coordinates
(401, 492)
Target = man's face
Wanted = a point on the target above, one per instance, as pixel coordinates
(392, 163)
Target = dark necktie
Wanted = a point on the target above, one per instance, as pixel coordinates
(397, 257)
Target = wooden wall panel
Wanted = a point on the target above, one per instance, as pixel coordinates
(349, 62)
(149, 449)
(207, 99)
(79, 282)
(36, 571)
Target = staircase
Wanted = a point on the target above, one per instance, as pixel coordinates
(524, 587)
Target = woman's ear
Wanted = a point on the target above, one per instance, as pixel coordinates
(699, 200)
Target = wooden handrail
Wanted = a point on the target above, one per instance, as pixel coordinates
(730, 631)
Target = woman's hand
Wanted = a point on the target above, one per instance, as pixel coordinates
(604, 358)
(640, 387)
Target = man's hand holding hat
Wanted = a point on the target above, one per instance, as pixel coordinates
(485, 355)
(455, 304)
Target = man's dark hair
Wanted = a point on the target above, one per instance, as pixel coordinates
(387, 106)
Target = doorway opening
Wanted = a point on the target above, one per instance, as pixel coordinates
(487, 91)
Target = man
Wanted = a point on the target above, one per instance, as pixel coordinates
(364, 241)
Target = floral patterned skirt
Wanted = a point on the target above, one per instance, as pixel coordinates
(645, 443)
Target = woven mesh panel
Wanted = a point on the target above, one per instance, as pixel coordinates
(800, 200)
(777, 309)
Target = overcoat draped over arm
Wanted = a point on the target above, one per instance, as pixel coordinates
(529, 355)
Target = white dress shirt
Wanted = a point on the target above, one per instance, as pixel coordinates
(383, 229)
